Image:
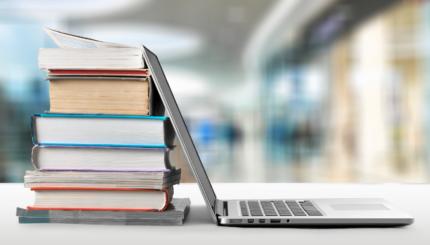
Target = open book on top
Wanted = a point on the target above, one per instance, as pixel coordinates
(77, 53)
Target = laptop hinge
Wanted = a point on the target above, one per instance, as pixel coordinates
(221, 208)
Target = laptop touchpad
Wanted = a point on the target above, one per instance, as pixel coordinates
(359, 206)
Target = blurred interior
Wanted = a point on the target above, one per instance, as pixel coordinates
(272, 91)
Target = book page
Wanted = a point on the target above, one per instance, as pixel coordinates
(66, 40)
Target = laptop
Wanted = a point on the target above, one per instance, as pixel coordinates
(270, 212)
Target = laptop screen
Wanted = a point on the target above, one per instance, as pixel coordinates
(181, 129)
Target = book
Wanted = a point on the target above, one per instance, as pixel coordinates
(89, 73)
(101, 130)
(111, 58)
(77, 52)
(108, 95)
(100, 158)
(103, 179)
(175, 214)
(100, 199)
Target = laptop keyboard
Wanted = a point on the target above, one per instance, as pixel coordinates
(278, 208)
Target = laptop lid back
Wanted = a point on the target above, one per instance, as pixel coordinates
(181, 130)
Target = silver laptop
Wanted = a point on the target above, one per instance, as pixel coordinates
(270, 212)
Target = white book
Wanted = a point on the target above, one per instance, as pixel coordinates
(100, 158)
(99, 199)
(81, 53)
(101, 130)
(158, 180)
(91, 58)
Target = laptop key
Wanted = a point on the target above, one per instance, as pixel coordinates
(282, 209)
(310, 209)
(243, 208)
(268, 208)
(295, 208)
(254, 208)
(314, 213)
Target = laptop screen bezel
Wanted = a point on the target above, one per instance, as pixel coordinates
(181, 130)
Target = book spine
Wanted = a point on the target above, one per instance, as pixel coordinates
(33, 130)
(156, 105)
(35, 157)
(169, 133)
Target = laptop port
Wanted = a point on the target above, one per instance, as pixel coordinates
(261, 221)
(250, 221)
(235, 221)
(275, 221)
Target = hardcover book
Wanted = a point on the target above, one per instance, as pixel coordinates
(175, 214)
(99, 73)
(93, 158)
(110, 58)
(102, 130)
(100, 199)
(103, 179)
(101, 94)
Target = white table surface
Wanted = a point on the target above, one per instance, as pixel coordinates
(199, 229)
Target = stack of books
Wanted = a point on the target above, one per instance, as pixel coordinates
(101, 153)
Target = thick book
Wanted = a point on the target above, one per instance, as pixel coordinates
(106, 179)
(102, 94)
(175, 214)
(101, 130)
(100, 158)
(100, 199)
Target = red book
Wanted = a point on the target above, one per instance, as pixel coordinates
(101, 199)
(112, 73)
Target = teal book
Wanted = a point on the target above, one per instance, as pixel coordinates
(101, 130)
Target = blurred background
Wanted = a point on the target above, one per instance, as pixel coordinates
(272, 91)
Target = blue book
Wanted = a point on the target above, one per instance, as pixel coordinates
(101, 130)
